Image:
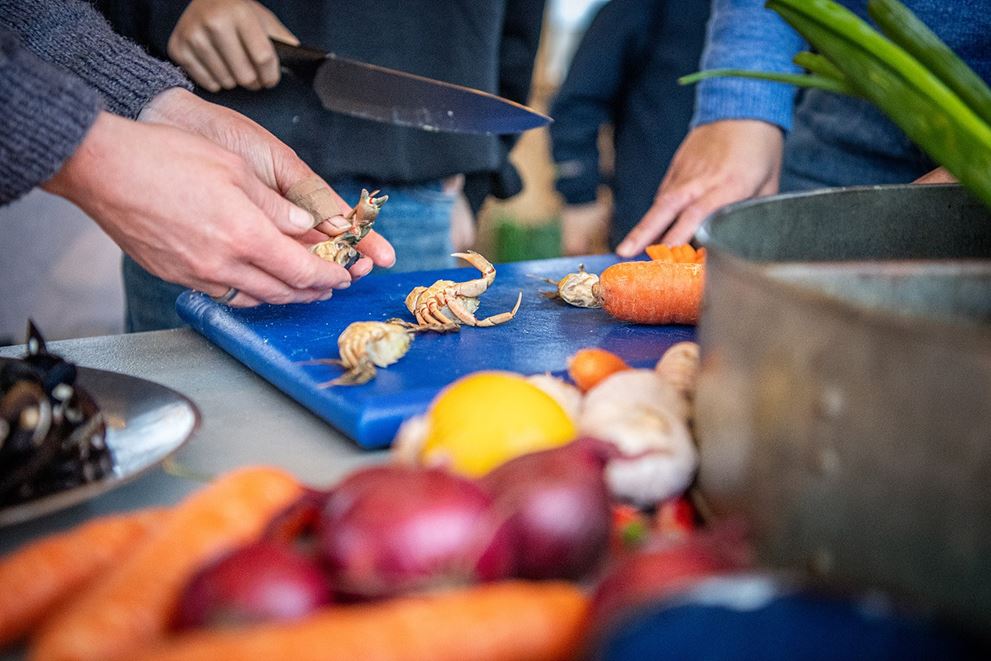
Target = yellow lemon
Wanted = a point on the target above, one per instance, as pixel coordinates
(488, 418)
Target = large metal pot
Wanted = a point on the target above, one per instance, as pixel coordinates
(844, 405)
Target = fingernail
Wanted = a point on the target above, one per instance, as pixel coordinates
(343, 285)
(623, 250)
(326, 296)
(300, 218)
(340, 222)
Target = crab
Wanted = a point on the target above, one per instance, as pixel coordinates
(446, 304)
(366, 344)
(578, 289)
(340, 249)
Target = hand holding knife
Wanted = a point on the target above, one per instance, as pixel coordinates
(396, 97)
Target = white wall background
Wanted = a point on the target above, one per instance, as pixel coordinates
(59, 268)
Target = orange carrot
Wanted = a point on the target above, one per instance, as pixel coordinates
(653, 292)
(683, 254)
(589, 366)
(37, 578)
(508, 621)
(133, 604)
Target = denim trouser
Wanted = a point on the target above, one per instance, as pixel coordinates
(416, 220)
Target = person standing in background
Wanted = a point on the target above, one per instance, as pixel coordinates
(624, 73)
(224, 46)
(752, 137)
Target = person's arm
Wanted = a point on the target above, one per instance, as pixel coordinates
(586, 100)
(72, 35)
(517, 52)
(44, 114)
(742, 34)
(734, 148)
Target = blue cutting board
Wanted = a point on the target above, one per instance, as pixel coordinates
(275, 341)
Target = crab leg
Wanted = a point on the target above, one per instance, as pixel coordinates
(468, 318)
(477, 287)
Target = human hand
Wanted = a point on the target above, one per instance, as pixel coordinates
(938, 176)
(463, 232)
(715, 165)
(225, 43)
(272, 161)
(584, 228)
(194, 213)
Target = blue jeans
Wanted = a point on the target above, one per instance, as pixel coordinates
(416, 220)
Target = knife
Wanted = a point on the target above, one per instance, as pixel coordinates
(396, 97)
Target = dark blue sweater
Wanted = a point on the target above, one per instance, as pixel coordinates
(624, 72)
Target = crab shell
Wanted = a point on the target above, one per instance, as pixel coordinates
(380, 342)
(436, 290)
(337, 251)
(579, 289)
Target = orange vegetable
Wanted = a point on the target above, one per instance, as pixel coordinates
(507, 621)
(653, 292)
(683, 254)
(132, 605)
(590, 366)
(38, 577)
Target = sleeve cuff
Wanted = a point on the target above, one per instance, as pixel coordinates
(46, 114)
(738, 98)
(577, 181)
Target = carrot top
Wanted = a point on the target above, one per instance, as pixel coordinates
(683, 254)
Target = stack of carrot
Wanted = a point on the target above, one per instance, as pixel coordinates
(108, 590)
(665, 290)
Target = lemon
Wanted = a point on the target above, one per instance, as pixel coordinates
(488, 418)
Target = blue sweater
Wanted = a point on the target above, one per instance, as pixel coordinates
(833, 140)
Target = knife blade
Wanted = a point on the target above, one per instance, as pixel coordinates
(396, 97)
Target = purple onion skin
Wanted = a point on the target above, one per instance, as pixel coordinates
(394, 530)
(558, 504)
(264, 581)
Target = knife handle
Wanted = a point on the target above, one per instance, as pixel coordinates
(300, 60)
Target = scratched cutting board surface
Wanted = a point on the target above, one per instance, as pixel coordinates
(276, 341)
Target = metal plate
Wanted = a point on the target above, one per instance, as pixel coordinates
(146, 423)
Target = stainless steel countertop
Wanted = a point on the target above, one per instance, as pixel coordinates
(245, 421)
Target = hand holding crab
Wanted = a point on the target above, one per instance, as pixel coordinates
(341, 248)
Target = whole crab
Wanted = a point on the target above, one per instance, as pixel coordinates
(340, 249)
(446, 304)
(366, 344)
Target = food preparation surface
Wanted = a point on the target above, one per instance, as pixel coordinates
(277, 342)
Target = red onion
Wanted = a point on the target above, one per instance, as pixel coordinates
(558, 504)
(391, 530)
(260, 582)
(653, 574)
(296, 523)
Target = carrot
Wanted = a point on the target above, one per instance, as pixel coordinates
(683, 254)
(653, 292)
(589, 366)
(508, 621)
(38, 577)
(133, 604)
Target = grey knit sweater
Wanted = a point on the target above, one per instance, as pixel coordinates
(60, 64)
